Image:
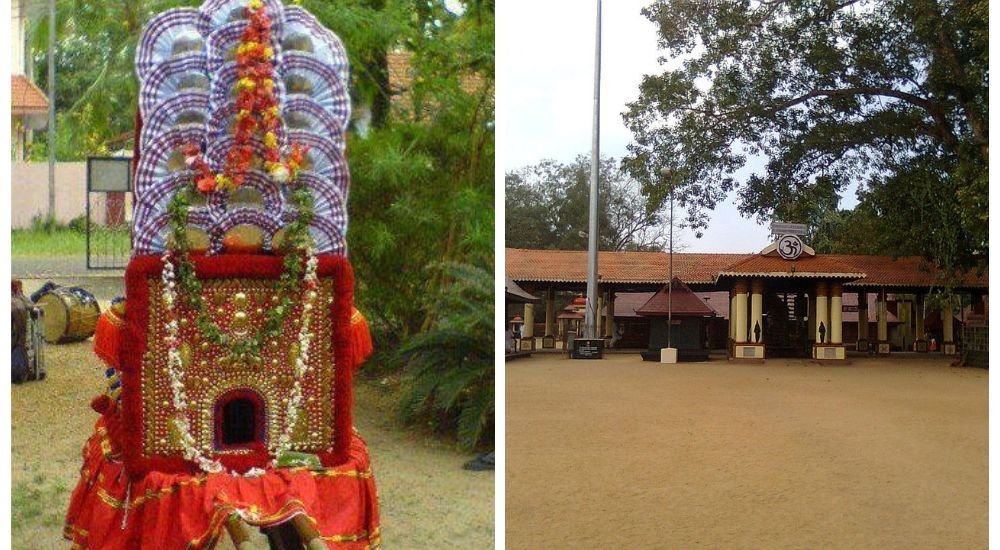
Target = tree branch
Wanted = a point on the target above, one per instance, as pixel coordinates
(941, 122)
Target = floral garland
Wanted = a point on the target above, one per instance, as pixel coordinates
(175, 366)
(258, 112)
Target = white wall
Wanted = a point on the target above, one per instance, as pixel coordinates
(29, 193)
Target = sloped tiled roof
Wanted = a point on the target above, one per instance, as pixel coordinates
(570, 266)
(804, 266)
(517, 294)
(683, 302)
(25, 97)
(614, 267)
(903, 271)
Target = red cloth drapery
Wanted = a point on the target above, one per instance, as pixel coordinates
(166, 511)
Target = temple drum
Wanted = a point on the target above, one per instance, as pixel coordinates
(71, 314)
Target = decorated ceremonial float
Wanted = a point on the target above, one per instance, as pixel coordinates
(229, 364)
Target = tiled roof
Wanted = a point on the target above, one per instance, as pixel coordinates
(25, 97)
(683, 302)
(903, 271)
(804, 266)
(614, 267)
(517, 294)
(566, 266)
(627, 303)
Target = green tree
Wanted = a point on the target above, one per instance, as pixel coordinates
(96, 87)
(451, 364)
(548, 206)
(890, 95)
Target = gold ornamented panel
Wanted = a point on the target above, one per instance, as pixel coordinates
(238, 307)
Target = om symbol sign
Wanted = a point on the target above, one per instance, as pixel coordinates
(789, 247)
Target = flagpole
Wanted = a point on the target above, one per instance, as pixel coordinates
(595, 160)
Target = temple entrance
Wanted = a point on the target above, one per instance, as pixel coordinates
(786, 329)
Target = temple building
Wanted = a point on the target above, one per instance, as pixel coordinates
(785, 301)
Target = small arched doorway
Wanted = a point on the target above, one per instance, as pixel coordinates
(239, 420)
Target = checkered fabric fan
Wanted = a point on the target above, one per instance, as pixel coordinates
(186, 64)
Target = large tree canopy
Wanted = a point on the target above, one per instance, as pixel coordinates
(889, 96)
(548, 207)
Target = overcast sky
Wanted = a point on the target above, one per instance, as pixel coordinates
(545, 76)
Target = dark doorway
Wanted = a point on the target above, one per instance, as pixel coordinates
(239, 419)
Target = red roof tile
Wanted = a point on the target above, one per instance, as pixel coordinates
(25, 97)
(804, 266)
(614, 267)
(683, 303)
(570, 266)
(903, 271)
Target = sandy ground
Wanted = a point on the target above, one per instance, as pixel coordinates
(427, 500)
(880, 453)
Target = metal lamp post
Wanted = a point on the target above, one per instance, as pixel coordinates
(668, 174)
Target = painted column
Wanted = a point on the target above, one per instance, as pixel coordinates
(862, 316)
(609, 320)
(550, 312)
(948, 322)
(836, 314)
(732, 314)
(918, 318)
(529, 321)
(757, 311)
(598, 318)
(883, 321)
(812, 315)
(741, 312)
(822, 315)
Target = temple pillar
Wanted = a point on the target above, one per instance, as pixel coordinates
(609, 319)
(811, 315)
(528, 331)
(741, 312)
(598, 316)
(550, 312)
(862, 322)
(836, 314)
(883, 325)
(918, 323)
(822, 334)
(757, 312)
(732, 314)
(948, 326)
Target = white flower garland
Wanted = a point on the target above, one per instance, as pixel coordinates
(175, 366)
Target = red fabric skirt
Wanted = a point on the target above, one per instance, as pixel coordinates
(165, 511)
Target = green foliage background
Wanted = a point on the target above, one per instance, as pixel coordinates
(887, 96)
(422, 176)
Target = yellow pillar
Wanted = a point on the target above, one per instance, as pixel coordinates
(822, 315)
(609, 319)
(918, 317)
(741, 312)
(948, 320)
(550, 313)
(883, 319)
(732, 314)
(757, 311)
(836, 314)
(529, 321)
(811, 328)
(598, 318)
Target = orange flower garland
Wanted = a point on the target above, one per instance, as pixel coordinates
(257, 114)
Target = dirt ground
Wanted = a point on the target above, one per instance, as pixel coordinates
(427, 500)
(880, 453)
